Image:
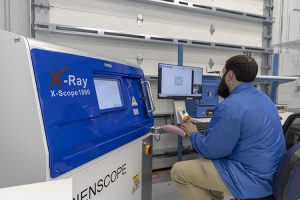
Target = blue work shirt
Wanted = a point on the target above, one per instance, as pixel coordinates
(245, 142)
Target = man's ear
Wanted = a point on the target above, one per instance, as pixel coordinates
(230, 75)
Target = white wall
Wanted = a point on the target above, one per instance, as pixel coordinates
(287, 21)
(114, 15)
(120, 15)
(15, 16)
(2, 15)
(286, 30)
(250, 6)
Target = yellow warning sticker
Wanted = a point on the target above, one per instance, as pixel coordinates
(136, 183)
(133, 102)
(136, 178)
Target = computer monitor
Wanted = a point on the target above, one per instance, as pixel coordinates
(179, 82)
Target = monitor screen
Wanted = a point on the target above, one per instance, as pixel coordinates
(108, 93)
(179, 82)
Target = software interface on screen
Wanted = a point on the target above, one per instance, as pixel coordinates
(179, 81)
(108, 93)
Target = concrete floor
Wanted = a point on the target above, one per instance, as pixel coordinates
(164, 189)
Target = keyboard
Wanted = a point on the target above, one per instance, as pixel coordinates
(202, 126)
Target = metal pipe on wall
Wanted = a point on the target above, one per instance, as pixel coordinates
(7, 25)
(32, 18)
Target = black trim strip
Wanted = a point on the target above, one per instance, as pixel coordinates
(161, 39)
(201, 6)
(124, 35)
(61, 28)
(256, 16)
(201, 43)
(229, 11)
(41, 26)
(172, 1)
(254, 49)
(182, 41)
(183, 3)
(228, 46)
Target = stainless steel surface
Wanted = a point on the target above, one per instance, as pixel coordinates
(157, 130)
(152, 104)
(147, 170)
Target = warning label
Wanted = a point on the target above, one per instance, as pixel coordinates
(133, 102)
(136, 183)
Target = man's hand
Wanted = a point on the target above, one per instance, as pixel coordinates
(189, 128)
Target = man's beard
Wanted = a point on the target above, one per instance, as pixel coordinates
(223, 90)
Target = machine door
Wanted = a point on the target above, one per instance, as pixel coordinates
(89, 107)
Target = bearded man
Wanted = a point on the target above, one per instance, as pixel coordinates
(244, 144)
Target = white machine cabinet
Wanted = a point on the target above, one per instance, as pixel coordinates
(67, 114)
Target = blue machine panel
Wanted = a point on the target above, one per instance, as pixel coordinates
(77, 130)
(209, 93)
(204, 107)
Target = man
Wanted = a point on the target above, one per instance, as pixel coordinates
(244, 144)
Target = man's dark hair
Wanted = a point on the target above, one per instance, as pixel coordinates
(244, 67)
